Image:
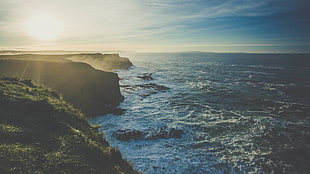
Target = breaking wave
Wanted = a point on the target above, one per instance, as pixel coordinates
(213, 113)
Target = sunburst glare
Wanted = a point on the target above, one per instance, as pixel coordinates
(43, 27)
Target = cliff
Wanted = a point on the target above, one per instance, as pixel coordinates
(41, 133)
(105, 62)
(93, 91)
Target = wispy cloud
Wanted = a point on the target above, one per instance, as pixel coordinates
(139, 22)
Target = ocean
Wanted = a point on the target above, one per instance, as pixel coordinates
(211, 113)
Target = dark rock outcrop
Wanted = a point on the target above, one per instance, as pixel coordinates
(128, 134)
(166, 133)
(147, 76)
(93, 91)
(161, 133)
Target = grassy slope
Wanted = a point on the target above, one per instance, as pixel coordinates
(41, 133)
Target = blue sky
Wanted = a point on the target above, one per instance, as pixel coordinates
(161, 25)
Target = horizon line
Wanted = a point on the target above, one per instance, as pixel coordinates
(131, 51)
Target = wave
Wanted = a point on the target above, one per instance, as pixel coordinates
(218, 115)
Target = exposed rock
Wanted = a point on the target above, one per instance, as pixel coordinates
(161, 133)
(128, 134)
(147, 76)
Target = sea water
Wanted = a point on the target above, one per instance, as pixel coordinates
(213, 113)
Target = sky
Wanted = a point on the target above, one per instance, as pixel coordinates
(267, 26)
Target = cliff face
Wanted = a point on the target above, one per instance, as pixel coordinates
(41, 133)
(91, 90)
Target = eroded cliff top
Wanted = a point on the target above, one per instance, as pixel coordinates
(105, 62)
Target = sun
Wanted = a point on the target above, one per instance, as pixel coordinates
(43, 27)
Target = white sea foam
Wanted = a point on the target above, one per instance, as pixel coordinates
(234, 118)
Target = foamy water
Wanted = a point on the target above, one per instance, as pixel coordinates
(214, 113)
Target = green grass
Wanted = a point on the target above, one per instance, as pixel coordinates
(41, 133)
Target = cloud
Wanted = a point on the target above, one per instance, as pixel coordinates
(142, 22)
(133, 16)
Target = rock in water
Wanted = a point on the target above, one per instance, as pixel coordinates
(128, 134)
(165, 133)
(147, 76)
(161, 133)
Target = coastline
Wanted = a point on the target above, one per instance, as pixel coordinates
(95, 92)
(44, 133)
(41, 133)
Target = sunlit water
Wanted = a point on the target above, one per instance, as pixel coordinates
(236, 113)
